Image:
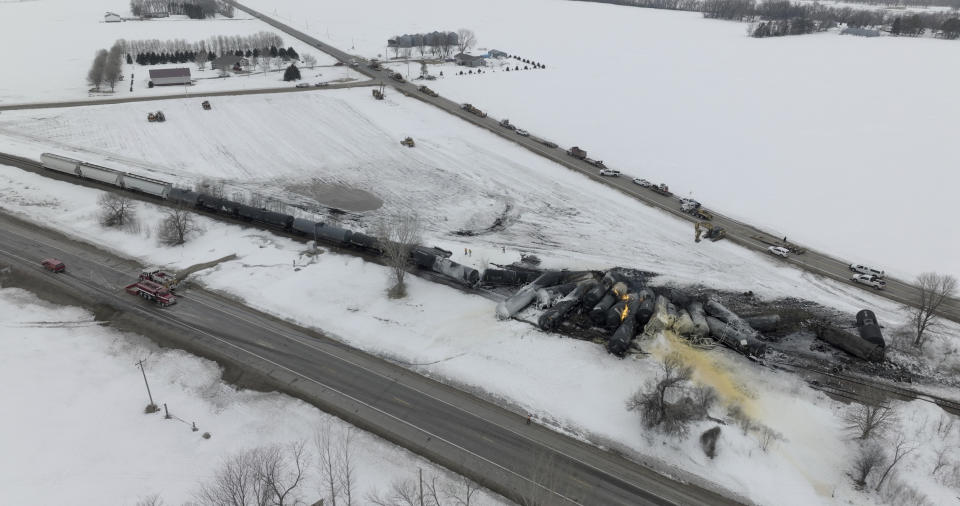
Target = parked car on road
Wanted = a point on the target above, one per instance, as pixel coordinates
(53, 265)
(867, 279)
(610, 172)
(780, 251)
(523, 133)
(863, 269)
(303, 85)
(642, 182)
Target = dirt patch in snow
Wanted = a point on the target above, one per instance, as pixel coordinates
(338, 196)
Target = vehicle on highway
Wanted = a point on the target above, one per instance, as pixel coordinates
(661, 188)
(53, 265)
(642, 182)
(303, 85)
(863, 269)
(321, 84)
(780, 251)
(523, 133)
(505, 123)
(353, 63)
(338, 64)
(152, 291)
(397, 77)
(610, 172)
(869, 280)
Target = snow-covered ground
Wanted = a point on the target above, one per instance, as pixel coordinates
(64, 35)
(78, 434)
(815, 137)
(448, 335)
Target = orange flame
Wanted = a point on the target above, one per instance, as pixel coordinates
(626, 310)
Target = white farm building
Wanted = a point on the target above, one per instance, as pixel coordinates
(111, 17)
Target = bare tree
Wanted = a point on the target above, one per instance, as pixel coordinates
(265, 63)
(935, 289)
(866, 419)
(116, 210)
(466, 39)
(401, 493)
(309, 60)
(421, 43)
(235, 483)
(901, 448)
(462, 491)
(397, 235)
(280, 469)
(347, 473)
(653, 403)
(201, 59)
(150, 500)
(767, 437)
(323, 439)
(943, 459)
(871, 455)
(95, 75)
(113, 68)
(177, 224)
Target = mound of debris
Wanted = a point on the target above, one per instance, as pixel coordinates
(617, 306)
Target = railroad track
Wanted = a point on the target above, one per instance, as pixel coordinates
(863, 390)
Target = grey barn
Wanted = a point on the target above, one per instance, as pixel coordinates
(468, 60)
(163, 77)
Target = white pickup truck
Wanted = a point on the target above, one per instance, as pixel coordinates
(869, 280)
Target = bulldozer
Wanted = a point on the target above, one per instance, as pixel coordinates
(709, 231)
(408, 142)
(206, 105)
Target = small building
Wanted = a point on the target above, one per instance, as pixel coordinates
(494, 53)
(111, 17)
(469, 60)
(165, 77)
(231, 62)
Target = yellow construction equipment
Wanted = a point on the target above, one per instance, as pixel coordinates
(709, 231)
(408, 142)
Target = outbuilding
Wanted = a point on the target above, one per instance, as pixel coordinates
(111, 17)
(165, 77)
(468, 60)
(231, 62)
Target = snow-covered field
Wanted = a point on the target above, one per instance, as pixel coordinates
(814, 137)
(63, 36)
(78, 434)
(445, 334)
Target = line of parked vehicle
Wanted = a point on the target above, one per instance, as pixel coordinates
(428, 258)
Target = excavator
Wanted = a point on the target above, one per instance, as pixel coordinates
(709, 231)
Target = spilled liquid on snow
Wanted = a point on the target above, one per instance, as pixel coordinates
(707, 371)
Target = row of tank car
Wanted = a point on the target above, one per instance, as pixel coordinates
(620, 308)
(433, 259)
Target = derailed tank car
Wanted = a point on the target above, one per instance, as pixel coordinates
(850, 343)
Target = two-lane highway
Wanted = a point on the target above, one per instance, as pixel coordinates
(742, 233)
(491, 445)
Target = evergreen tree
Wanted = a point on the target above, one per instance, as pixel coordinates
(273, 51)
(129, 60)
(897, 26)
(292, 73)
(248, 54)
(951, 28)
(292, 54)
(282, 53)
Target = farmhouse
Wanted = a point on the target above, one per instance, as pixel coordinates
(468, 60)
(163, 77)
(230, 62)
(111, 17)
(495, 53)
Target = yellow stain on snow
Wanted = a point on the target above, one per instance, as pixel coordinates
(708, 371)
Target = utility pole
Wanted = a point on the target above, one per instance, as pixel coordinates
(421, 486)
(152, 407)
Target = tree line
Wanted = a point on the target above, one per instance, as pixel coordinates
(201, 57)
(782, 17)
(438, 44)
(221, 44)
(195, 9)
(107, 67)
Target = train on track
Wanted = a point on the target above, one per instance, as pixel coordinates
(430, 259)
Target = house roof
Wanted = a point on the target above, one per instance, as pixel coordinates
(465, 56)
(175, 72)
